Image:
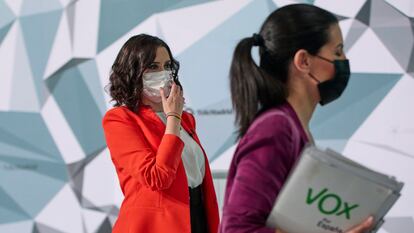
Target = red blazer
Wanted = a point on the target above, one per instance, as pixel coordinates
(151, 173)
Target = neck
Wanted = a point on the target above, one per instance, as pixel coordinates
(156, 107)
(304, 109)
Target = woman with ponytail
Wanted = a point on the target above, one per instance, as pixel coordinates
(302, 63)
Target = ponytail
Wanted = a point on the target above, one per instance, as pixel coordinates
(252, 89)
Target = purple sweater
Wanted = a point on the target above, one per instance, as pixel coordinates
(262, 161)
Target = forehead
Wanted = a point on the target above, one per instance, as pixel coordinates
(162, 55)
(335, 35)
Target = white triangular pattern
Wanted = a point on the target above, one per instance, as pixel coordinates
(62, 134)
(368, 54)
(100, 181)
(92, 219)
(7, 64)
(392, 120)
(15, 6)
(223, 161)
(381, 230)
(183, 27)
(390, 163)
(65, 3)
(349, 8)
(63, 212)
(282, 3)
(24, 94)
(61, 51)
(345, 26)
(70, 13)
(86, 28)
(390, 149)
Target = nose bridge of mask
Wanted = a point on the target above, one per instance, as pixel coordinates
(160, 75)
(343, 66)
(155, 78)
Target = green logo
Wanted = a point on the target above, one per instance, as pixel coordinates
(339, 208)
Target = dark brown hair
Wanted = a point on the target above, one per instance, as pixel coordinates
(125, 81)
(288, 29)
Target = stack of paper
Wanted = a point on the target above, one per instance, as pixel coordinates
(329, 193)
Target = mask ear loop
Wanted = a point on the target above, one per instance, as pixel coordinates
(325, 59)
(313, 77)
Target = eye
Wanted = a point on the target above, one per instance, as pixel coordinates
(338, 53)
(153, 67)
(167, 66)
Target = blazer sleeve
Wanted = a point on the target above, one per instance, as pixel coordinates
(262, 166)
(132, 155)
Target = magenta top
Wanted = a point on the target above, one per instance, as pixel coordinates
(262, 161)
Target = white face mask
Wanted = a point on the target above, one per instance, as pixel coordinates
(153, 82)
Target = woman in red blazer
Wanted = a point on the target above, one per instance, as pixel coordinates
(162, 168)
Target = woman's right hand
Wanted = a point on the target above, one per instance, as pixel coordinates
(360, 228)
(173, 105)
(175, 101)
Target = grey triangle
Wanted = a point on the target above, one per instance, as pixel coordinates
(41, 228)
(398, 224)
(397, 45)
(76, 167)
(105, 227)
(70, 13)
(89, 204)
(4, 30)
(55, 77)
(114, 211)
(412, 24)
(271, 5)
(410, 68)
(341, 17)
(76, 183)
(387, 22)
(112, 219)
(110, 210)
(158, 30)
(357, 29)
(385, 15)
(35, 229)
(364, 13)
(388, 148)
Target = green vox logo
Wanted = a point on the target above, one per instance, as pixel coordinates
(330, 203)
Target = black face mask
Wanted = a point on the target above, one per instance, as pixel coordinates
(332, 89)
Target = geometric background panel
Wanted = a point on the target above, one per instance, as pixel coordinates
(56, 174)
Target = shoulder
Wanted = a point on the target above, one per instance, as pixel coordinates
(188, 117)
(117, 113)
(271, 123)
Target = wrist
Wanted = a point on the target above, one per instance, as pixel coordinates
(173, 114)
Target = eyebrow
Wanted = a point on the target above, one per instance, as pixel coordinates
(156, 62)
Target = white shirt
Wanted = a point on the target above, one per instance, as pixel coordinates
(192, 156)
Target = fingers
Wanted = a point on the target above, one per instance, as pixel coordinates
(163, 98)
(173, 89)
(363, 227)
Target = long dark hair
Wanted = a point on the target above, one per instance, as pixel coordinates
(125, 81)
(288, 29)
